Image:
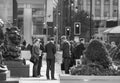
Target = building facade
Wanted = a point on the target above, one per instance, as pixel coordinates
(32, 19)
(31, 16)
(6, 11)
(102, 10)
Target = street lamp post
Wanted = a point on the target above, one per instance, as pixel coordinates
(71, 4)
(90, 18)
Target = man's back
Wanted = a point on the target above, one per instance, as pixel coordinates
(50, 49)
(66, 49)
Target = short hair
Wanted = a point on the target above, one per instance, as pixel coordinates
(63, 37)
(52, 38)
(36, 40)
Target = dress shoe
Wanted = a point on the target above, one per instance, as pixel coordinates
(48, 78)
(53, 79)
(40, 75)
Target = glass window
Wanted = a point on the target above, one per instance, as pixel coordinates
(20, 20)
(97, 8)
(88, 2)
(106, 8)
(20, 11)
(97, 2)
(106, 1)
(88, 6)
(38, 20)
(115, 2)
(38, 25)
(80, 4)
(37, 12)
(115, 11)
(20, 25)
(115, 8)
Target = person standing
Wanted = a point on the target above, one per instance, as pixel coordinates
(40, 59)
(79, 49)
(50, 49)
(35, 54)
(65, 47)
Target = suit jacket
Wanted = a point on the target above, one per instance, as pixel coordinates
(50, 49)
(79, 50)
(35, 51)
(65, 47)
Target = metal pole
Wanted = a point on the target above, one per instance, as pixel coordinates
(90, 18)
(118, 13)
(70, 19)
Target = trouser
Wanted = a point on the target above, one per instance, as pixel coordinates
(39, 65)
(50, 66)
(66, 65)
(35, 69)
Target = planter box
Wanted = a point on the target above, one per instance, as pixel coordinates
(17, 68)
(4, 75)
(89, 79)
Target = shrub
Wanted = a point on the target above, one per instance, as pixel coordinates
(95, 61)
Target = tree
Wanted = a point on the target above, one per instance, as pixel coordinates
(84, 18)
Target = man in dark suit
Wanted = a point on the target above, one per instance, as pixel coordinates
(65, 47)
(79, 49)
(40, 59)
(50, 49)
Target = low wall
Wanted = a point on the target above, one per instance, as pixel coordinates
(89, 79)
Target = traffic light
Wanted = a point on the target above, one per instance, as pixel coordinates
(77, 28)
(67, 31)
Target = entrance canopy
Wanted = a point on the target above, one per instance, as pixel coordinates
(113, 30)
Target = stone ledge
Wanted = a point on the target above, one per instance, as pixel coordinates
(20, 72)
(11, 81)
(4, 75)
(17, 68)
(14, 63)
(89, 79)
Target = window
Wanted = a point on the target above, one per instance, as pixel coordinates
(98, 2)
(107, 2)
(20, 25)
(20, 11)
(37, 12)
(80, 4)
(88, 6)
(38, 20)
(106, 8)
(20, 20)
(38, 25)
(115, 8)
(88, 2)
(115, 2)
(97, 8)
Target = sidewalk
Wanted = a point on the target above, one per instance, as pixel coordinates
(43, 72)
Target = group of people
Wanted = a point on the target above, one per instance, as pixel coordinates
(37, 51)
(71, 51)
(69, 55)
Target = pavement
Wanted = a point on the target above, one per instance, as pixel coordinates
(43, 72)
